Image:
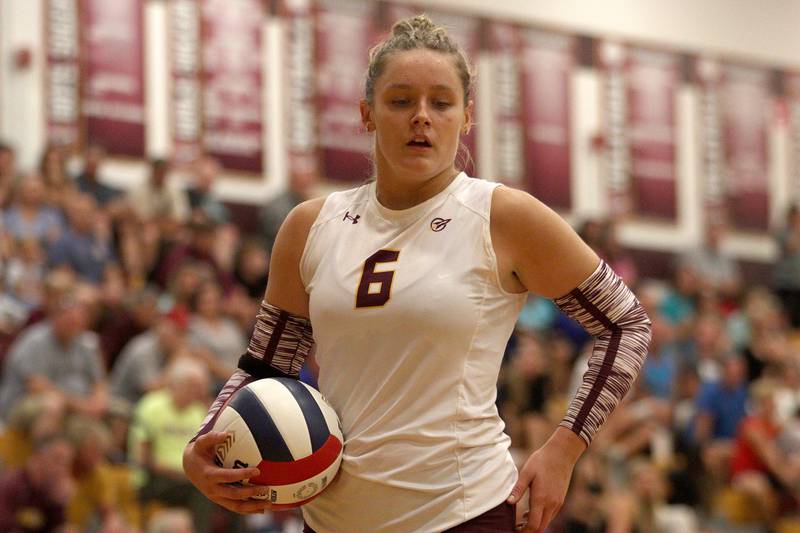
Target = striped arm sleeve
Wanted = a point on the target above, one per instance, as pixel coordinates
(279, 345)
(238, 379)
(609, 311)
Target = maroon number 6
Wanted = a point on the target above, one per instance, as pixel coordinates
(364, 296)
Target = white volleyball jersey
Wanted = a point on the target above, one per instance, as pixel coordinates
(410, 323)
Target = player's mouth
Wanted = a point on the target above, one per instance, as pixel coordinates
(420, 142)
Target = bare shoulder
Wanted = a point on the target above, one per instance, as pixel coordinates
(535, 245)
(302, 216)
(284, 286)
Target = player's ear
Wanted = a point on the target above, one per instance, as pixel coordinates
(468, 109)
(366, 116)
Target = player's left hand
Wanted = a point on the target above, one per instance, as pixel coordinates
(546, 475)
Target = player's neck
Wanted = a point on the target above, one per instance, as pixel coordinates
(399, 192)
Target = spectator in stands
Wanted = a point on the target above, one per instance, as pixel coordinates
(141, 364)
(89, 182)
(24, 274)
(215, 337)
(164, 421)
(660, 369)
(171, 521)
(708, 346)
(137, 314)
(640, 505)
(721, 406)
(60, 356)
(715, 269)
(757, 465)
(786, 274)
(199, 249)
(31, 419)
(529, 389)
(585, 509)
(159, 199)
(93, 500)
(33, 499)
(301, 187)
(29, 217)
(8, 173)
(85, 245)
(252, 268)
(57, 181)
(203, 203)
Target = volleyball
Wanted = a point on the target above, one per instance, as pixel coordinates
(289, 431)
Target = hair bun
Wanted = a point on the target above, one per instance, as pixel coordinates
(419, 25)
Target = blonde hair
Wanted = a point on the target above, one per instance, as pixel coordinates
(414, 33)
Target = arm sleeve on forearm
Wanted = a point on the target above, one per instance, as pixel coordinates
(278, 347)
(238, 379)
(609, 311)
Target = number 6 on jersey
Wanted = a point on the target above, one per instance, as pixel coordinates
(367, 295)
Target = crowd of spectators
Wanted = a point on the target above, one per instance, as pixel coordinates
(123, 311)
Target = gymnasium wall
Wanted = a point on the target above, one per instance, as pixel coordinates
(761, 34)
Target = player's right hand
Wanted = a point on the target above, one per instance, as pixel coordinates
(215, 482)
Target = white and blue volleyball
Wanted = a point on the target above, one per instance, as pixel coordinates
(289, 431)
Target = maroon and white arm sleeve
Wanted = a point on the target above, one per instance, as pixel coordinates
(609, 311)
(278, 347)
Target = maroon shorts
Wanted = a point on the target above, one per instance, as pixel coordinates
(501, 519)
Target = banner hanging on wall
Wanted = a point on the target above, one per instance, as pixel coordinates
(709, 76)
(616, 166)
(186, 122)
(300, 114)
(547, 63)
(507, 120)
(653, 78)
(62, 72)
(745, 93)
(344, 32)
(793, 90)
(113, 86)
(232, 61)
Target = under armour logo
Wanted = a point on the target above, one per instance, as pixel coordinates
(348, 217)
(438, 224)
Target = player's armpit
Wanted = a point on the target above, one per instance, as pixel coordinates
(536, 249)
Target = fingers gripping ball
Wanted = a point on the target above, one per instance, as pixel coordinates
(289, 431)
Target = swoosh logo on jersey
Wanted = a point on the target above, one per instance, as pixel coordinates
(438, 224)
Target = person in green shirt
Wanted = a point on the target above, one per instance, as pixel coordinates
(164, 421)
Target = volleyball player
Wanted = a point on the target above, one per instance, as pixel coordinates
(413, 283)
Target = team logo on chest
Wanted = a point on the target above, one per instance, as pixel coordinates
(348, 216)
(438, 223)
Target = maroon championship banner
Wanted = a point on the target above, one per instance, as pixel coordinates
(616, 162)
(113, 67)
(299, 80)
(507, 117)
(62, 72)
(186, 120)
(652, 83)
(232, 61)
(344, 32)
(709, 76)
(547, 62)
(793, 89)
(745, 112)
(466, 31)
